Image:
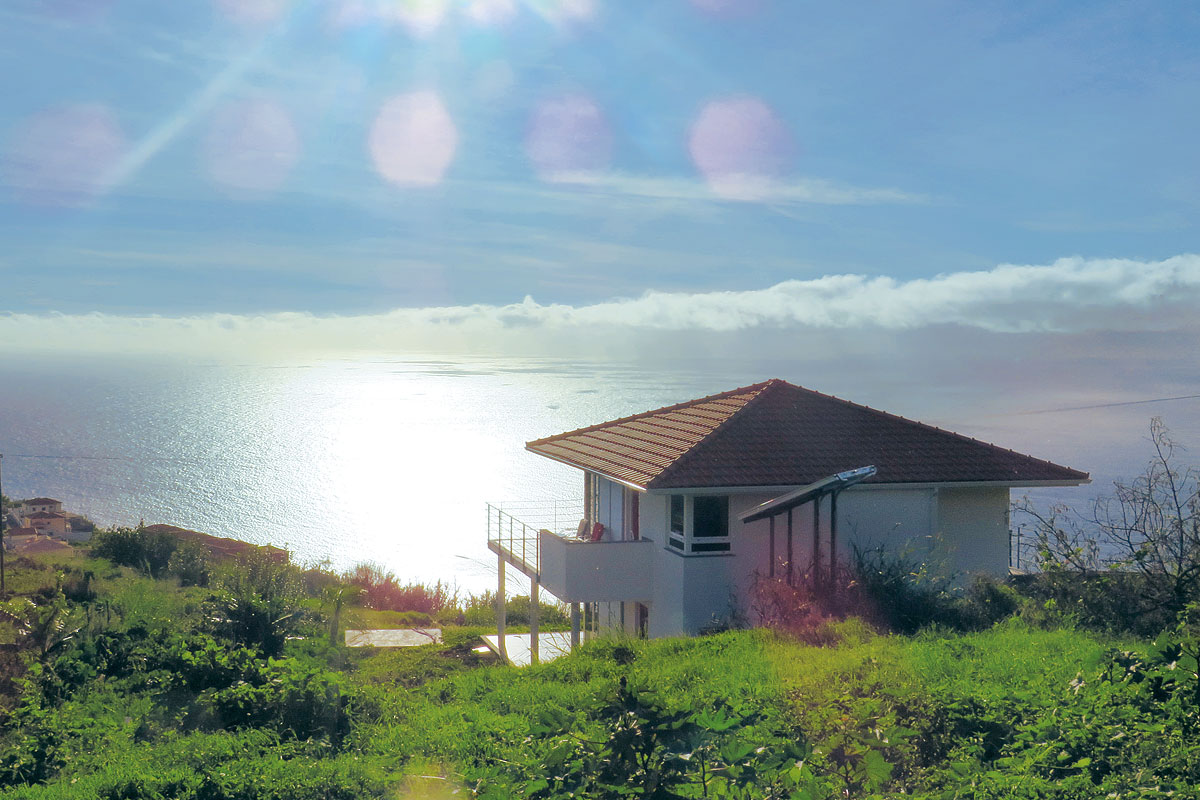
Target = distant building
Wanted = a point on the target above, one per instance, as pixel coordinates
(40, 505)
(50, 523)
(40, 545)
(17, 538)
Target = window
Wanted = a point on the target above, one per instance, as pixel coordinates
(699, 524)
(710, 521)
(677, 518)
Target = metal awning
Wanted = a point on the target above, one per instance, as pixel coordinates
(805, 494)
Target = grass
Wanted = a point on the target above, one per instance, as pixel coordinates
(913, 709)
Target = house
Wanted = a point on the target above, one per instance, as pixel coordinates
(687, 505)
(16, 538)
(41, 504)
(46, 522)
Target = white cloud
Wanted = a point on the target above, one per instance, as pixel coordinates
(750, 189)
(1072, 295)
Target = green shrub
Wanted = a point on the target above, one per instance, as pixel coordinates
(135, 547)
(293, 699)
(480, 611)
(380, 590)
(258, 603)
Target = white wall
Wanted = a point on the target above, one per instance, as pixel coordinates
(973, 525)
(960, 530)
(612, 508)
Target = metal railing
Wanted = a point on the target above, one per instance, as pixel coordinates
(519, 537)
(515, 537)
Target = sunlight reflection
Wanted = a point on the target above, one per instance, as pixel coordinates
(566, 136)
(64, 156)
(413, 139)
(253, 12)
(251, 145)
(740, 147)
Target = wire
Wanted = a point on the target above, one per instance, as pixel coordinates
(1105, 405)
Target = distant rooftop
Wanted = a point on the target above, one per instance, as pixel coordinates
(777, 434)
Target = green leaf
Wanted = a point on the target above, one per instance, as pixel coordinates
(877, 768)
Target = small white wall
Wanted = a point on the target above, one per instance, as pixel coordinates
(973, 525)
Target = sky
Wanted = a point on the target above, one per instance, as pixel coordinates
(926, 187)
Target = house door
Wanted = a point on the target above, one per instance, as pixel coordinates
(643, 619)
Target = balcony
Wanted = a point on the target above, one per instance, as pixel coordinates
(579, 571)
(573, 570)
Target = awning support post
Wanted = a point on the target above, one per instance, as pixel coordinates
(771, 563)
(815, 578)
(790, 577)
(833, 520)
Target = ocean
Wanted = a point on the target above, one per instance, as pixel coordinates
(393, 460)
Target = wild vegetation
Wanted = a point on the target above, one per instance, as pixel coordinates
(124, 676)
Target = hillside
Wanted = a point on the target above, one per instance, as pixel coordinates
(123, 686)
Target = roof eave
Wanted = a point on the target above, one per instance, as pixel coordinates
(1013, 484)
(613, 478)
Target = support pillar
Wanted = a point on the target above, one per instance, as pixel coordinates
(815, 576)
(533, 620)
(833, 541)
(501, 612)
(771, 563)
(789, 548)
(575, 625)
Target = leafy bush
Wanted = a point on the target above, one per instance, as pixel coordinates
(258, 603)
(381, 590)
(295, 700)
(480, 610)
(135, 547)
(191, 564)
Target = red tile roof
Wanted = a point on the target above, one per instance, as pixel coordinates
(40, 501)
(46, 546)
(777, 434)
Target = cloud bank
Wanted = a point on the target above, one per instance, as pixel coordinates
(1070, 296)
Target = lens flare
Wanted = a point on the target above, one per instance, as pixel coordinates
(563, 12)
(420, 17)
(251, 146)
(567, 136)
(253, 12)
(413, 139)
(491, 12)
(64, 156)
(740, 147)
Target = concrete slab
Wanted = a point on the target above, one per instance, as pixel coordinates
(408, 637)
(550, 647)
